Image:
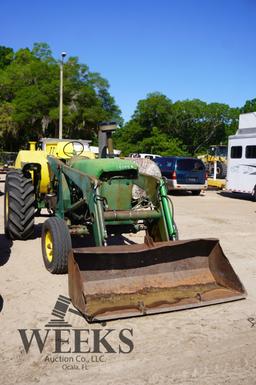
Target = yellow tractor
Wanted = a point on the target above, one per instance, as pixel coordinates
(218, 155)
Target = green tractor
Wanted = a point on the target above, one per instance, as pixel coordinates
(96, 199)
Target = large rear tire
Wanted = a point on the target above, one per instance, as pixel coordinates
(222, 170)
(19, 206)
(56, 245)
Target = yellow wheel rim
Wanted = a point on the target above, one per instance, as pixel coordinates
(48, 246)
(6, 204)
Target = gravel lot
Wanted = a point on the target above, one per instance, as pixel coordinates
(211, 345)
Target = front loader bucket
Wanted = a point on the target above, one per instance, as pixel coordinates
(131, 280)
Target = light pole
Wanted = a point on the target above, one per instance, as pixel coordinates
(63, 54)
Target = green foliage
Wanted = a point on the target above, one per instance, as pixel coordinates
(154, 111)
(250, 106)
(133, 138)
(6, 56)
(29, 97)
(185, 127)
(199, 124)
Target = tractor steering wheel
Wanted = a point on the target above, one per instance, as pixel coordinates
(77, 148)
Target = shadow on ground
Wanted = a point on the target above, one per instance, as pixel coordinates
(240, 196)
(182, 193)
(1, 303)
(38, 230)
(5, 250)
(89, 242)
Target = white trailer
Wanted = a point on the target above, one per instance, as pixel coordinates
(241, 167)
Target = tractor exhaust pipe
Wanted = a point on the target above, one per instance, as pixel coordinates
(105, 139)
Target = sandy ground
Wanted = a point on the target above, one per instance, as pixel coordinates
(211, 345)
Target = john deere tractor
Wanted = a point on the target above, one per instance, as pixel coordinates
(102, 200)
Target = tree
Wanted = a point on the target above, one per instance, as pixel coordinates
(132, 138)
(8, 127)
(6, 56)
(161, 144)
(199, 124)
(154, 111)
(187, 126)
(29, 84)
(43, 52)
(249, 106)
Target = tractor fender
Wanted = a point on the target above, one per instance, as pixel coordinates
(24, 158)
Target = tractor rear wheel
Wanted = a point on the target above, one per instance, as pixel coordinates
(222, 170)
(56, 245)
(19, 206)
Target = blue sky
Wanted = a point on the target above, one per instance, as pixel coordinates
(183, 48)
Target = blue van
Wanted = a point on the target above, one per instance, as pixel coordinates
(187, 174)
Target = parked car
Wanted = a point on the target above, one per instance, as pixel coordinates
(147, 156)
(187, 174)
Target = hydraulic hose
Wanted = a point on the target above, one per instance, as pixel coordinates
(166, 208)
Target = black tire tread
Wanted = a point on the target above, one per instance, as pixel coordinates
(223, 170)
(20, 221)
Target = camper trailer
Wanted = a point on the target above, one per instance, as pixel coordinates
(241, 167)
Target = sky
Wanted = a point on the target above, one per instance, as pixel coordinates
(184, 49)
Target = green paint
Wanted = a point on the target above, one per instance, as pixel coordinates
(166, 209)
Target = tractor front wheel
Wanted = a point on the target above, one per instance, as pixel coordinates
(56, 245)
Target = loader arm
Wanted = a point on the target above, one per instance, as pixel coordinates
(90, 189)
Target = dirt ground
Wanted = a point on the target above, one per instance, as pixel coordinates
(210, 345)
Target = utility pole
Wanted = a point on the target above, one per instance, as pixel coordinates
(63, 54)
